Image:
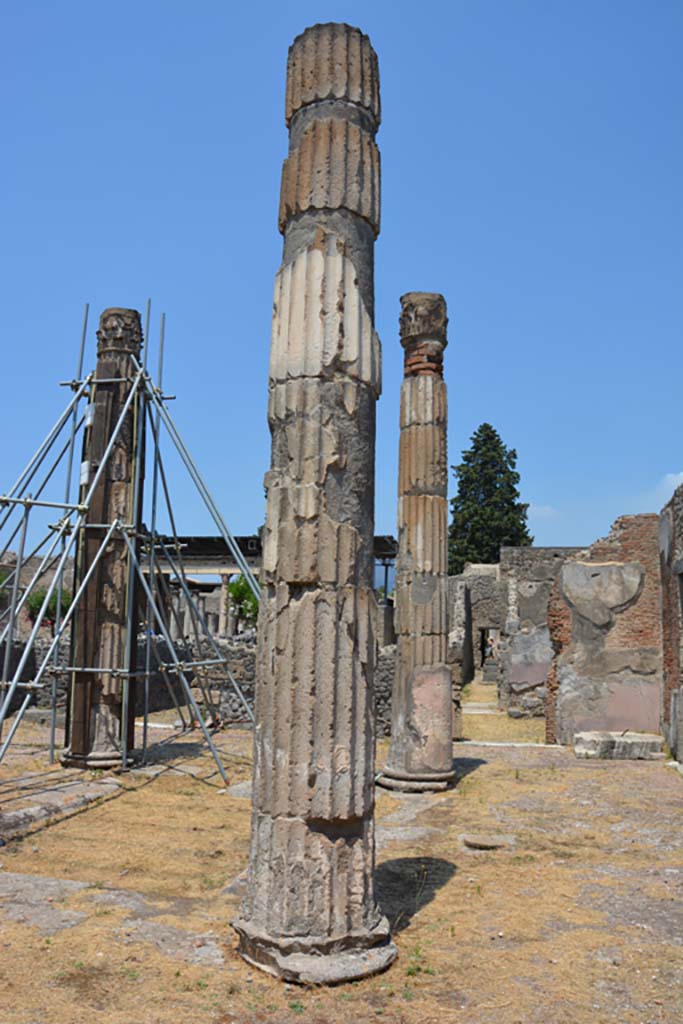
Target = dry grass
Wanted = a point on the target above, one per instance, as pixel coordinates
(484, 693)
(500, 728)
(515, 936)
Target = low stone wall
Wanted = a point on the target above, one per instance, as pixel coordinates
(16, 651)
(460, 657)
(384, 681)
(241, 657)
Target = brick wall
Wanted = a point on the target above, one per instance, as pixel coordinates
(560, 629)
(635, 539)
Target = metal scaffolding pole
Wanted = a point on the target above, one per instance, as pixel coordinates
(57, 546)
(153, 520)
(181, 674)
(203, 490)
(56, 638)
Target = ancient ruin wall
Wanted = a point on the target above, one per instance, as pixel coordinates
(607, 670)
(560, 635)
(671, 568)
(525, 651)
(476, 601)
(459, 653)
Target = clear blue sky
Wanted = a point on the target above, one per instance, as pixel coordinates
(532, 158)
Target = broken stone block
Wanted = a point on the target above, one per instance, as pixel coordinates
(619, 746)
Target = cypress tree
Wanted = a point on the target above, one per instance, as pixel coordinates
(486, 511)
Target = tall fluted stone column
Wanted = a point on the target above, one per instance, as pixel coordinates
(421, 750)
(100, 623)
(310, 914)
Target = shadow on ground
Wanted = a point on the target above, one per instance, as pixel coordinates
(463, 766)
(407, 884)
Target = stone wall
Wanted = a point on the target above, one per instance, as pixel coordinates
(241, 657)
(28, 570)
(27, 674)
(671, 567)
(525, 651)
(460, 655)
(476, 602)
(487, 598)
(384, 683)
(607, 639)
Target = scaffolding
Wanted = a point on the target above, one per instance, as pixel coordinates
(154, 562)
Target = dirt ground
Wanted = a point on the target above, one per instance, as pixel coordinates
(118, 910)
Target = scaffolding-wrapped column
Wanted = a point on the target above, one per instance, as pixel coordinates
(103, 619)
(310, 914)
(421, 750)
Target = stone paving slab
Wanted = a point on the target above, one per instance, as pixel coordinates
(41, 796)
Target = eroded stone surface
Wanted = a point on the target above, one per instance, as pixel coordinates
(34, 900)
(332, 62)
(619, 746)
(605, 624)
(310, 914)
(671, 567)
(596, 591)
(335, 165)
(420, 756)
(100, 622)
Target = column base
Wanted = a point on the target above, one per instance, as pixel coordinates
(95, 760)
(418, 782)
(302, 960)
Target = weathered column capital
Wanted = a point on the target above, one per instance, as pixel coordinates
(423, 322)
(120, 331)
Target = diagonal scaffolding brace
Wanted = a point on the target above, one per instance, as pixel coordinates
(49, 561)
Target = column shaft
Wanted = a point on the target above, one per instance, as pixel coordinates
(420, 754)
(99, 637)
(311, 914)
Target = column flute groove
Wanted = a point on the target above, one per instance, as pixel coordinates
(310, 914)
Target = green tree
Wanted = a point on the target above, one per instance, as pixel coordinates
(34, 603)
(486, 512)
(243, 600)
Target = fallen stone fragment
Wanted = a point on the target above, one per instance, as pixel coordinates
(619, 746)
(241, 790)
(488, 842)
(174, 942)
